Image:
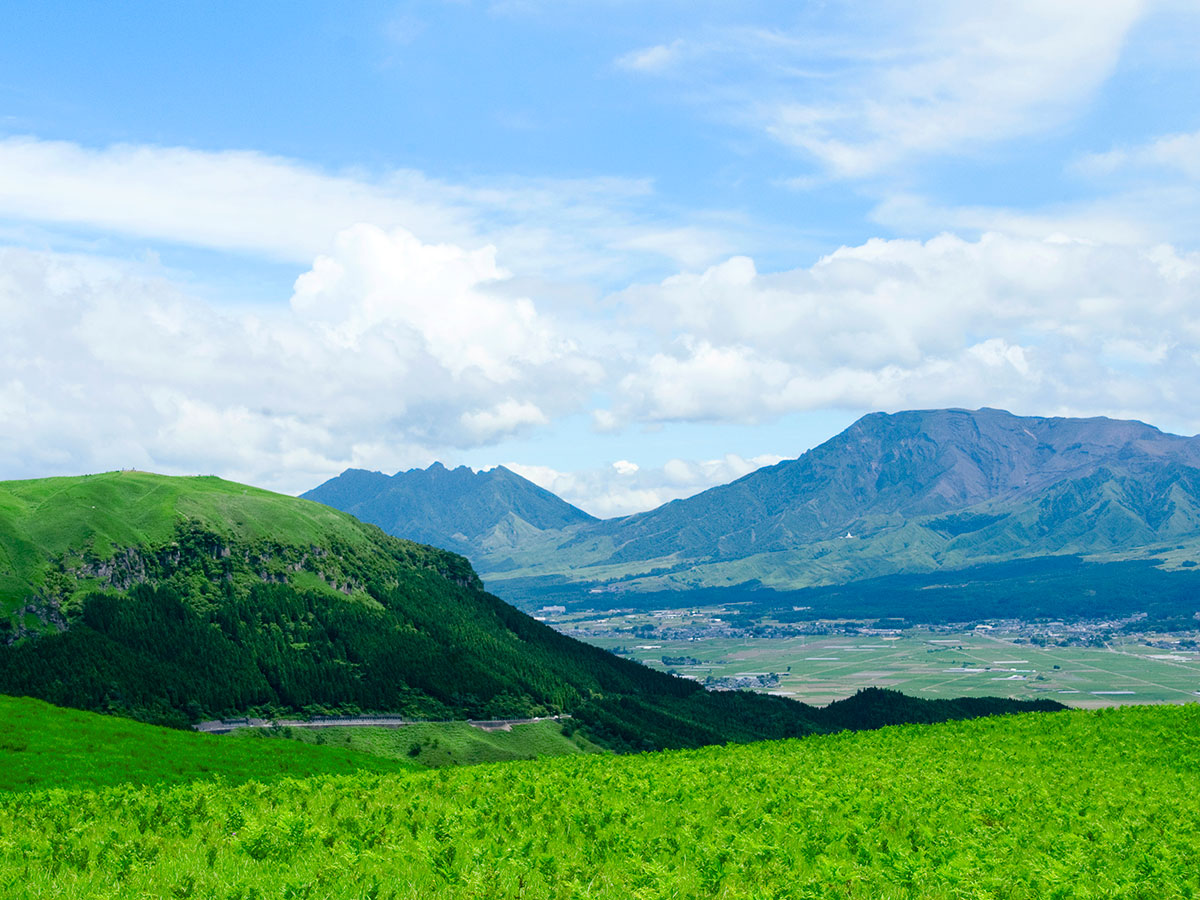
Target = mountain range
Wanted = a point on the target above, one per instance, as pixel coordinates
(904, 494)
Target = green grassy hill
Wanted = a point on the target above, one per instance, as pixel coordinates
(63, 537)
(176, 599)
(43, 746)
(1033, 806)
(172, 600)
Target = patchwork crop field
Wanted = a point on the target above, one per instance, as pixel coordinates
(819, 669)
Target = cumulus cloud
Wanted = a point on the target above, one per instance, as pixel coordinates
(392, 351)
(625, 487)
(1036, 325)
(377, 281)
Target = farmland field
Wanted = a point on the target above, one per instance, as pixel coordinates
(819, 668)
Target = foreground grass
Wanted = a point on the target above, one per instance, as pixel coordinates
(1082, 804)
(43, 746)
(442, 743)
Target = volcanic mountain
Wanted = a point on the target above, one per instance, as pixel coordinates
(475, 513)
(907, 493)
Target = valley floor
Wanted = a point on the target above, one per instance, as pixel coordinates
(1014, 660)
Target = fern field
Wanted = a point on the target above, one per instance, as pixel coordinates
(1084, 804)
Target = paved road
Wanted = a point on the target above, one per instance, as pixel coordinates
(224, 726)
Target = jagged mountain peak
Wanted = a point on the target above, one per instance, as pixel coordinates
(455, 508)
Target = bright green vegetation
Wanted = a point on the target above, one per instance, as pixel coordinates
(42, 746)
(61, 537)
(191, 598)
(448, 743)
(232, 600)
(1083, 804)
(820, 669)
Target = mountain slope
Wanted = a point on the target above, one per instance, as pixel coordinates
(910, 465)
(911, 492)
(469, 512)
(174, 599)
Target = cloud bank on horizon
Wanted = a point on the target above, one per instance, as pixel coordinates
(970, 205)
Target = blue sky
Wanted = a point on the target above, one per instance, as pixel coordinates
(629, 249)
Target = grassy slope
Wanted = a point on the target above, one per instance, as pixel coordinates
(448, 743)
(1033, 806)
(43, 746)
(43, 518)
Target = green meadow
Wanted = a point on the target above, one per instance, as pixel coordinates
(44, 746)
(1080, 804)
(443, 743)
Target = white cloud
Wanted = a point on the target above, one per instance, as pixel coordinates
(1122, 221)
(234, 200)
(394, 352)
(377, 281)
(389, 343)
(502, 419)
(653, 59)
(278, 208)
(625, 487)
(950, 77)
(1002, 321)
(1177, 153)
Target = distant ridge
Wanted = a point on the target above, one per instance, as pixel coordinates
(886, 471)
(912, 492)
(473, 513)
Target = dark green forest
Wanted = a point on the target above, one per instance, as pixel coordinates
(211, 632)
